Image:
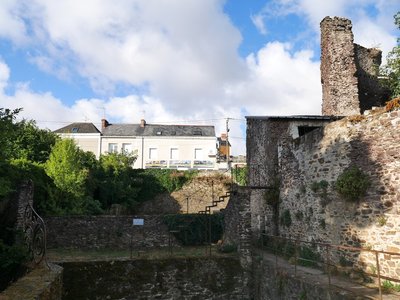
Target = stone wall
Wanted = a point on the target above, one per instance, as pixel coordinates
(348, 71)
(370, 142)
(370, 92)
(194, 278)
(40, 284)
(262, 157)
(237, 224)
(92, 232)
(338, 68)
(266, 137)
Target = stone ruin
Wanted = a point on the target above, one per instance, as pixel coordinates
(349, 72)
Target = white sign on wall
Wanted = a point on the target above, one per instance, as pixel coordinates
(138, 222)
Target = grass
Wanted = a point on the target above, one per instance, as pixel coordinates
(388, 286)
(115, 254)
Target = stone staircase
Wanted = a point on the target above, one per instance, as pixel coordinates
(211, 208)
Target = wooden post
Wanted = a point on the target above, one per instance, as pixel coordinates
(379, 274)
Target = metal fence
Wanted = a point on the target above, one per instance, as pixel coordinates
(294, 249)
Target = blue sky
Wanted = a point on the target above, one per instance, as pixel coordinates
(175, 61)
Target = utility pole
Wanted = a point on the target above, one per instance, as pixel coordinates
(228, 158)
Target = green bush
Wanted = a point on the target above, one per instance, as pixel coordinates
(352, 184)
(193, 229)
(320, 188)
(227, 248)
(240, 175)
(12, 260)
(388, 286)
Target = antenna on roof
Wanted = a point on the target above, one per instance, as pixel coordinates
(104, 111)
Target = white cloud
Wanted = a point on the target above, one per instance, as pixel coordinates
(185, 51)
(370, 30)
(182, 53)
(11, 24)
(4, 75)
(281, 83)
(258, 21)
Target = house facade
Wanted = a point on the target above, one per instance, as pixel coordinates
(156, 145)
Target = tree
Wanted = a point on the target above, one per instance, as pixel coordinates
(115, 180)
(8, 130)
(32, 143)
(391, 71)
(65, 167)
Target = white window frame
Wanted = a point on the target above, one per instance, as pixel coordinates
(153, 153)
(112, 147)
(198, 152)
(124, 148)
(174, 153)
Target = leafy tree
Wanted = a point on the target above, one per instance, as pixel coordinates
(115, 180)
(7, 136)
(8, 132)
(391, 71)
(32, 143)
(66, 167)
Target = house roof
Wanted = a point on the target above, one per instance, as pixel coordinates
(78, 128)
(298, 117)
(158, 130)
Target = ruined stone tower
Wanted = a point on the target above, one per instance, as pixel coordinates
(348, 71)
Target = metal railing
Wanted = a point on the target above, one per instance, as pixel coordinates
(326, 261)
(35, 234)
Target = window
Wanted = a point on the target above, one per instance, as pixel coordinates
(112, 148)
(306, 129)
(197, 132)
(174, 154)
(75, 130)
(127, 148)
(198, 153)
(153, 153)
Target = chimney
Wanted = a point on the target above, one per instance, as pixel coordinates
(104, 124)
(223, 136)
(142, 123)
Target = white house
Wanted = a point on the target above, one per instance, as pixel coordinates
(157, 146)
(86, 136)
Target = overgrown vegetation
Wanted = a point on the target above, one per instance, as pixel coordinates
(239, 175)
(306, 256)
(393, 104)
(352, 184)
(194, 229)
(391, 71)
(320, 188)
(388, 286)
(13, 256)
(69, 180)
(66, 181)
